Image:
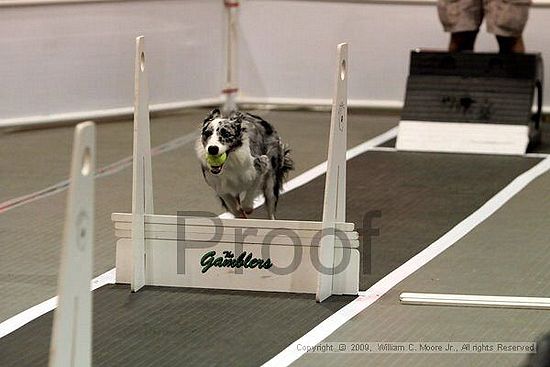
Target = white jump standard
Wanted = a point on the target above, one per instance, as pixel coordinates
(320, 258)
(71, 343)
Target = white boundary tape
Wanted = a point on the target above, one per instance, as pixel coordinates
(371, 295)
(23, 318)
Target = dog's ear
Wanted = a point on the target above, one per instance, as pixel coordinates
(235, 116)
(215, 113)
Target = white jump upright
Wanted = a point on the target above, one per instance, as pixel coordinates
(334, 207)
(231, 88)
(72, 327)
(142, 189)
(244, 254)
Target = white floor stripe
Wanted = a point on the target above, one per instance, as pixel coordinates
(23, 318)
(32, 313)
(384, 149)
(368, 297)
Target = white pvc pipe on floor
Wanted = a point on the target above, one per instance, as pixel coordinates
(435, 299)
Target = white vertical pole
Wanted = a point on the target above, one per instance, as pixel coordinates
(231, 84)
(71, 342)
(142, 187)
(334, 207)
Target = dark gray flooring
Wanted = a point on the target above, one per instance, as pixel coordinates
(179, 327)
(420, 197)
(507, 255)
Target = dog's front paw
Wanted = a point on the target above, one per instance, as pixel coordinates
(261, 164)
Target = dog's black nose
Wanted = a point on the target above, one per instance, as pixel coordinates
(213, 150)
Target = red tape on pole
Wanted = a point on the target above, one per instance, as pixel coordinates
(231, 4)
(230, 90)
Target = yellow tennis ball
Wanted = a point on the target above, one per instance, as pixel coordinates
(216, 160)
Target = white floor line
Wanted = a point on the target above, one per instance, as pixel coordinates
(108, 277)
(384, 149)
(23, 318)
(371, 295)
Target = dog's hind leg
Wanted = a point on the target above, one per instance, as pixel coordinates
(270, 196)
(261, 164)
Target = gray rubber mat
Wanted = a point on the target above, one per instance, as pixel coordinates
(417, 195)
(204, 328)
(507, 254)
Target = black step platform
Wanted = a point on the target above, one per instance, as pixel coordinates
(474, 87)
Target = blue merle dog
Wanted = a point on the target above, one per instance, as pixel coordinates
(257, 161)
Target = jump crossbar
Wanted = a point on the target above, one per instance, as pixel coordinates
(210, 230)
(282, 240)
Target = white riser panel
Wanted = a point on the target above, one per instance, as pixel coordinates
(456, 137)
(161, 268)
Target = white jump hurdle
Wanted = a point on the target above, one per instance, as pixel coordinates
(72, 328)
(246, 254)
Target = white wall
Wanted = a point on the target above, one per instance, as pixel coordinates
(59, 59)
(76, 59)
(288, 48)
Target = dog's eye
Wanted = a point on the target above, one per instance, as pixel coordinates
(207, 133)
(224, 133)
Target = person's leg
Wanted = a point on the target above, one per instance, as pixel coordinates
(510, 44)
(462, 19)
(506, 20)
(462, 41)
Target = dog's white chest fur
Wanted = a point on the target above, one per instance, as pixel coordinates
(238, 173)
